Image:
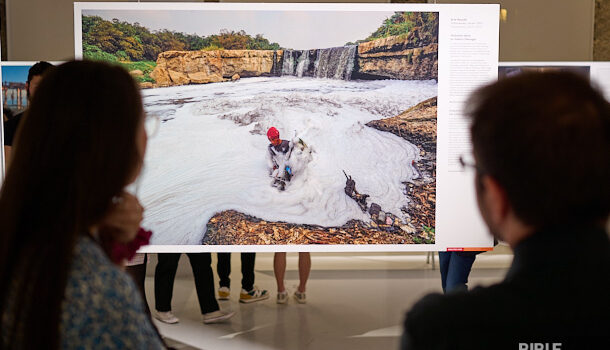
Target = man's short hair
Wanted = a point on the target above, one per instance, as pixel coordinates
(38, 68)
(545, 137)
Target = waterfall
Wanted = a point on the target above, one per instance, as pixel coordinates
(302, 64)
(296, 63)
(335, 63)
(288, 65)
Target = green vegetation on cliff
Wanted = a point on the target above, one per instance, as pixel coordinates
(118, 41)
(402, 23)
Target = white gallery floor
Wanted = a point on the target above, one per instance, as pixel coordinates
(354, 301)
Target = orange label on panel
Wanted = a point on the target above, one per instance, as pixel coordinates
(477, 249)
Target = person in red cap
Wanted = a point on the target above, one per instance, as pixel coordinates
(279, 153)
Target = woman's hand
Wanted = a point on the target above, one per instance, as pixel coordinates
(123, 220)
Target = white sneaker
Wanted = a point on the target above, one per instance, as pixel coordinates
(282, 297)
(166, 317)
(217, 316)
(300, 297)
(224, 293)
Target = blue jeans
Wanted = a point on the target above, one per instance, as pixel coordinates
(455, 268)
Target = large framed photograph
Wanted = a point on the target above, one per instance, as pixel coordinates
(294, 127)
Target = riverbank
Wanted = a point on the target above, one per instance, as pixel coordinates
(418, 126)
(234, 228)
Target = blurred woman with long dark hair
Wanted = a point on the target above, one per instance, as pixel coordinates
(80, 143)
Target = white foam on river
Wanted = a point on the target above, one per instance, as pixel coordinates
(209, 154)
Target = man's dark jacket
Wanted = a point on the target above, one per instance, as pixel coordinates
(557, 290)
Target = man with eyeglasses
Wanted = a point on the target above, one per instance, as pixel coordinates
(541, 144)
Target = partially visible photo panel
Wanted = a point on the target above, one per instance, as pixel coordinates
(14, 92)
(597, 72)
(14, 76)
(600, 75)
(302, 127)
(509, 69)
(2, 160)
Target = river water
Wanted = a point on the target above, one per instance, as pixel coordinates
(210, 152)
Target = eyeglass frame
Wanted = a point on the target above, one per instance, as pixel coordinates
(473, 165)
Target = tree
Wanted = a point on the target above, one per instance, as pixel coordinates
(119, 40)
(402, 23)
(231, 40)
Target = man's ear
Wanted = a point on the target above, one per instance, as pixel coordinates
(495, 200)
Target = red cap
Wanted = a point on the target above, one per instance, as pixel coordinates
(273, 134)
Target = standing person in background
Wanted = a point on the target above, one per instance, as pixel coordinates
(136, 268)
(7, 114)
(71, 161)
(541, 146)
(455, 268)
(279, 269)
(165, 273)
(249, 292)
(35, 75)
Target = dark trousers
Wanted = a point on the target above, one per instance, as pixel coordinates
(247, 270)
(455, 268)
(165, 272)
(138, 273)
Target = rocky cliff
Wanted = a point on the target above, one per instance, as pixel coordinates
(397, 57)
(200, 67)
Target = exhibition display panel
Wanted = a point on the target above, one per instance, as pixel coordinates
(368, 98)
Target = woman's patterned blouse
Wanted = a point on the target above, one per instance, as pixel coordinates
(102, 308)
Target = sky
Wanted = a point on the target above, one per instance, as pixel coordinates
(291, 29)
(15, 74)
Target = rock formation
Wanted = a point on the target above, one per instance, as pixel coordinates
(416, 125)
(397, 57)
(200, 67)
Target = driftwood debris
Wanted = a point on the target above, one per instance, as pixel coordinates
(350, 191)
